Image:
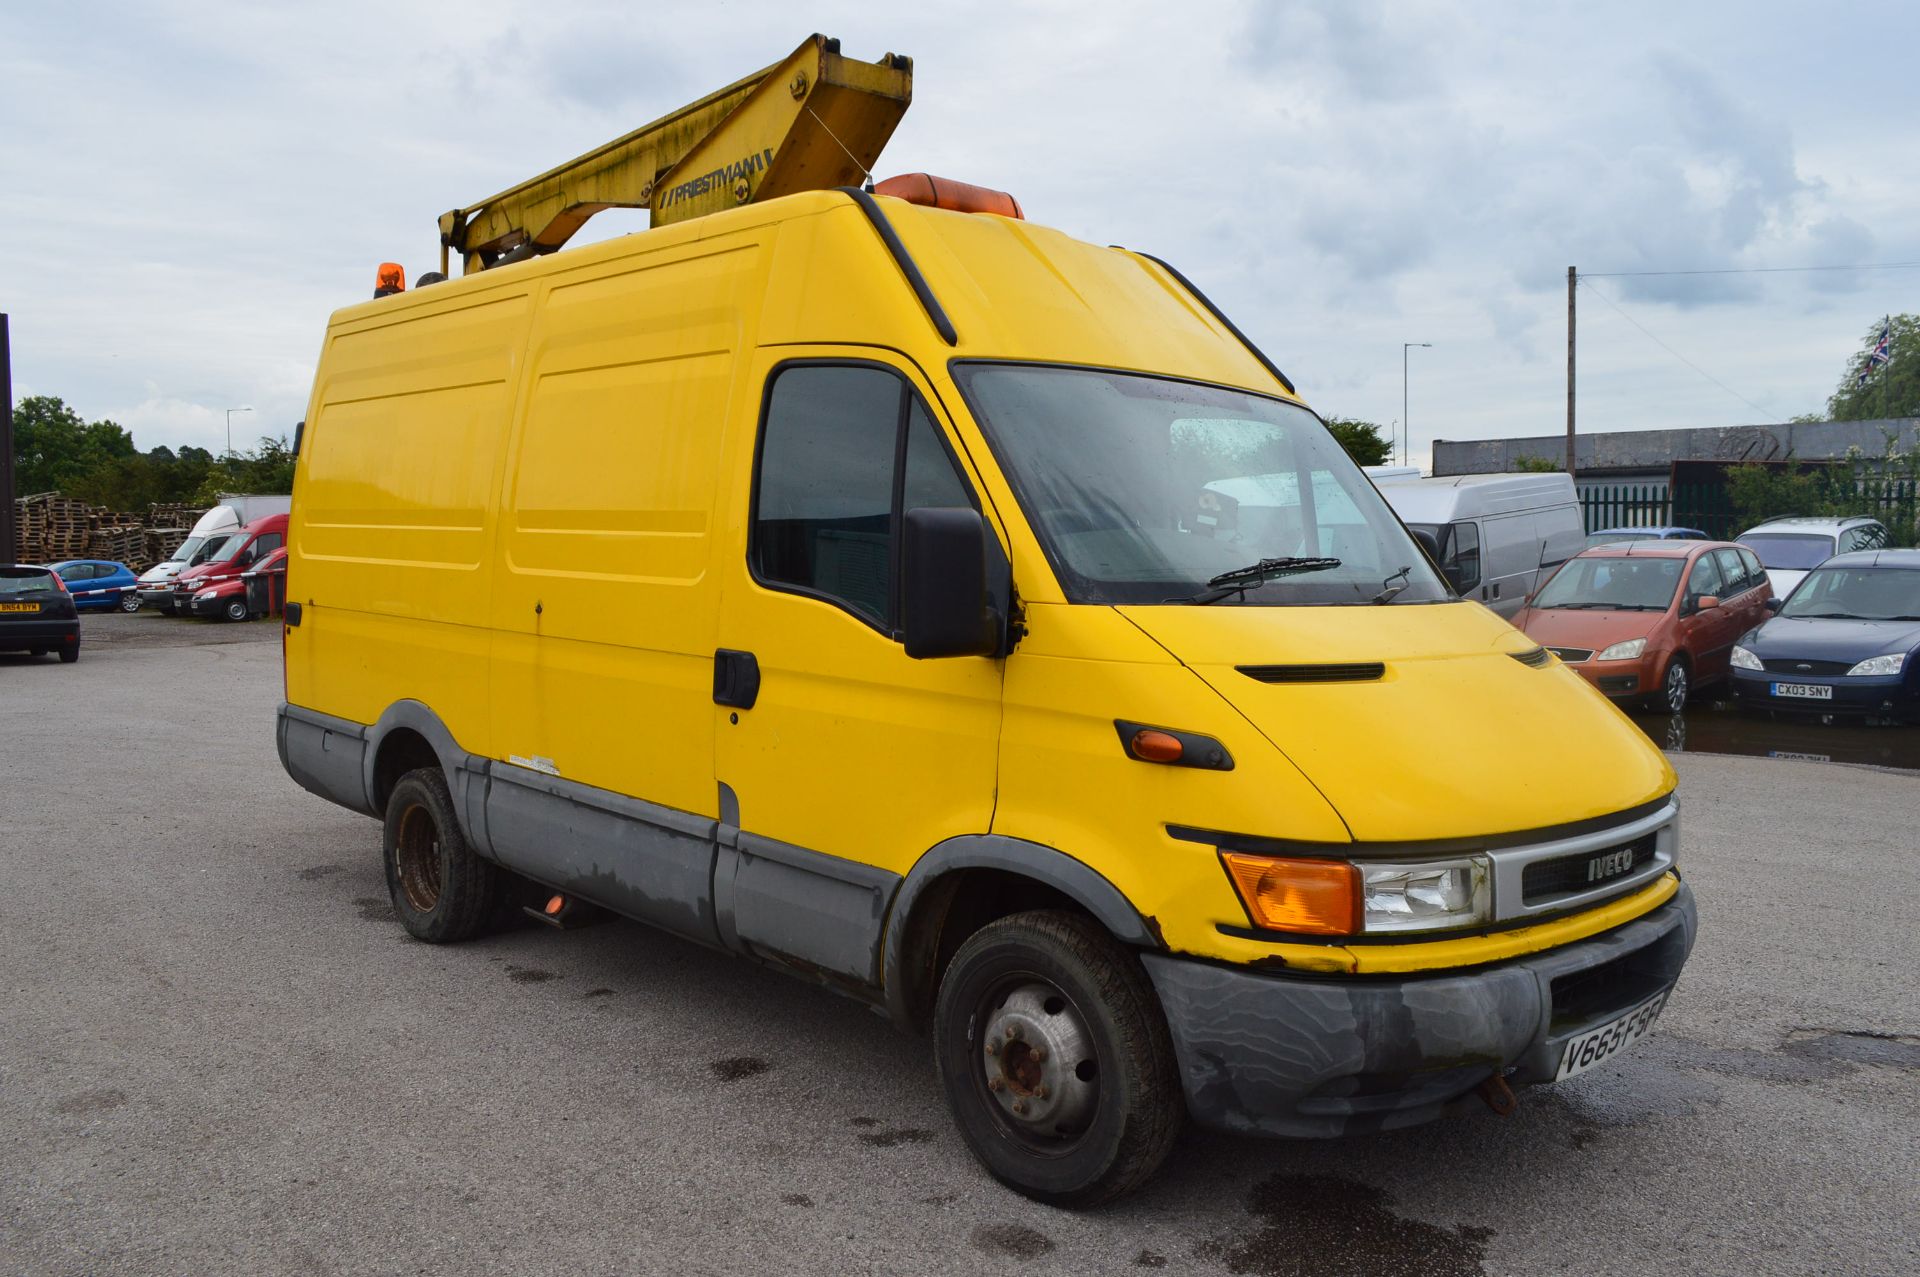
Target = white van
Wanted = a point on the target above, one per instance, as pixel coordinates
(1500, 535)
(210, 532)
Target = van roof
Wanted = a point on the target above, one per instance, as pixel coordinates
(831, 279)
(1467, 496)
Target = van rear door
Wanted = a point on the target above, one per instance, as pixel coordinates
(842, 760)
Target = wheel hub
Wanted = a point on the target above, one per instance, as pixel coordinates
(1039, 1062)
(417, 859)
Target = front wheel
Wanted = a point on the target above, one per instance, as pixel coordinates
(129, 602)
(1675, 687)
(236, 609)
(441, 890)
(1056, 1060)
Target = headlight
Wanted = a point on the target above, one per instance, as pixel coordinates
(1437, 893)
(1624, 651)
(1881, 664)
(203, 596)
(1340, 898)
(1745, 660)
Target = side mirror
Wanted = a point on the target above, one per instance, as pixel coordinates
(1428, 542)
(1708, 602)
(946, 609)
(1773, 604)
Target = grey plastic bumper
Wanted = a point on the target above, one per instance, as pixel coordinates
(1308, 1057)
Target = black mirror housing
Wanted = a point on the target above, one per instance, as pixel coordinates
(946, 608)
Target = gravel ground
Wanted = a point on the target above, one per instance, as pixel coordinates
(220, 1054)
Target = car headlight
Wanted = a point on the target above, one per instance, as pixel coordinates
(1343, 898)
(1436, 893)
(1745, 660)
(1624, 651)
(203, 596)
(1881, 664)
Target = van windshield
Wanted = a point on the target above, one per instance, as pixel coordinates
(188, 548)
(1613, 583)
(226, 553)
(1144, 489)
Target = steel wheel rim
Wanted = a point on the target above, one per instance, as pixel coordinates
(416, 858)
(1036, 1064)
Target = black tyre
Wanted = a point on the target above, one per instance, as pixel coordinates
(164, 607)
(441, 890)
(69, 652)
(235, 609)
(1056, 1059)
(37, 651)
(129, 602)
(1675, 686)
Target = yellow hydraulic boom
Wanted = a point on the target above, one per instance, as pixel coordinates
(815, 121)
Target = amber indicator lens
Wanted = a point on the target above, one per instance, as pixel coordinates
(1319, 897)
(1156, 747)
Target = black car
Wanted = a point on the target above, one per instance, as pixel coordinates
(36, 613)
(1846, 642)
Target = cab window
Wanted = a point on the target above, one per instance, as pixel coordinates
(844, 450)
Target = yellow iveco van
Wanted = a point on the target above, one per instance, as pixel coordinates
(969, 619)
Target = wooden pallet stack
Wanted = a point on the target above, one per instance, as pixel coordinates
(52, 527)
(160, 545)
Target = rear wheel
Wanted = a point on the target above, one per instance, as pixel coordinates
(129, 602)
(1056, 1059)
(70, 652)
(441, 890)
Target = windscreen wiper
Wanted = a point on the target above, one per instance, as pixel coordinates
(1240, 580)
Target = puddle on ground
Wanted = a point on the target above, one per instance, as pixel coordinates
(1719, 728)
(735, 1067)
(1015, 1241)
(1323, 1226)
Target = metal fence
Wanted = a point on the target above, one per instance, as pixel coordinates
(1709, 508)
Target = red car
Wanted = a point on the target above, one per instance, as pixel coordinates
(1649, 620)
(230, 596)
(211, 588)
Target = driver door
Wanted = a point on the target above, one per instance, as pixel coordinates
(841, 759)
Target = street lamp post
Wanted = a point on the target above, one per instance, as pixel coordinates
(1406, 427)
(230, 413)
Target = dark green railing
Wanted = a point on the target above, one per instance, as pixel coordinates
(1709, 507)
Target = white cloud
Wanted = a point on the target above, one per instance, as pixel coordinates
(203, 183)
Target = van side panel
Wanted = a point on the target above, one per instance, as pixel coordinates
(606, 605)
(391, 534)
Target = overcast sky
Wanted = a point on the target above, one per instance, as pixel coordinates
(189, 189)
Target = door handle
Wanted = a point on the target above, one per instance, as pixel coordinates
(736, 678)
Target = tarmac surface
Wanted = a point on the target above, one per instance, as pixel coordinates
(219, 1053)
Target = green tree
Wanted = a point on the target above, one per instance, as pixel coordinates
(1892, 390)
(1530, 464)
(1365, 442)
(49, 445)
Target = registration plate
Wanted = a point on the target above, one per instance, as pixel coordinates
(1583, 1052)
(1805, 691)
(19, 607)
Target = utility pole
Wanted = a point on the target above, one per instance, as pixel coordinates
(1573, 278)
(9, 539)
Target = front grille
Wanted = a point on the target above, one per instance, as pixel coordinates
(1354, 672)
(1572, 655)
(1794, 666)
(1586, 870)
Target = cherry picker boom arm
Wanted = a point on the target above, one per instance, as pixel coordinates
(814, 121)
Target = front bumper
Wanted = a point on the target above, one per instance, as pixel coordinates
(1621, 680)
(1317, 1057)
(1853, 697)
(215, 606)
(160, 597)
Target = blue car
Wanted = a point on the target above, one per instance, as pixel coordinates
(1613, 536)
(1845, 643)
(99, 584)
